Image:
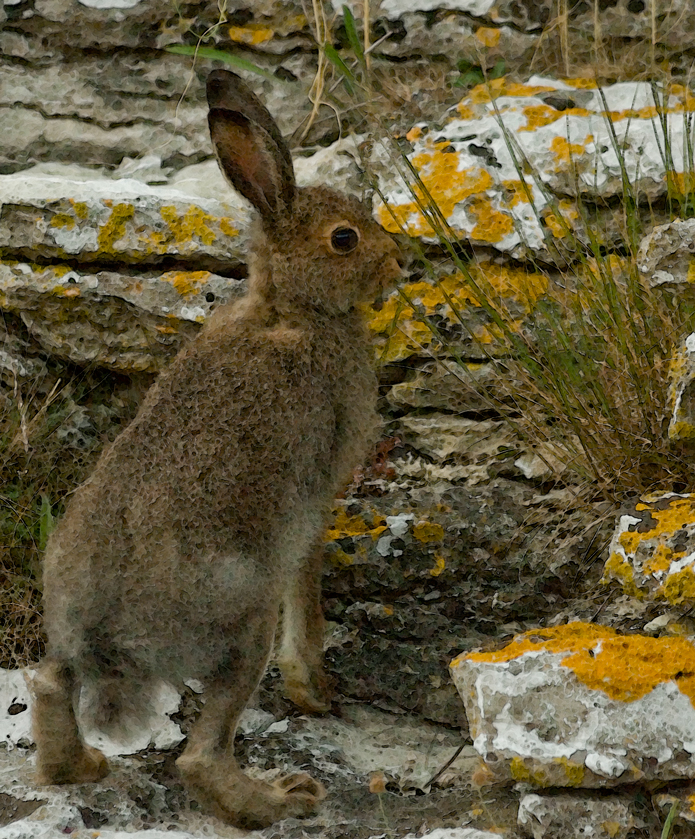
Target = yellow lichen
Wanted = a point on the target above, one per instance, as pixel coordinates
(80, 208)
(193, 224)
(562, 226)
(539, 115)
(488, 36)
(492, 225)
(574, 772)
(63, 220)
(252, 35)
(520, 772)
(399, 320)
(679, 587)
(186, 282)
(443, 181)
(565, 151)
(227, 227)
(624, 667)
(661, 559)
(439, 565)
(114, 228)
(428, 531)
(483, 93)
(345, 525)
(691, 271)
(618, 568)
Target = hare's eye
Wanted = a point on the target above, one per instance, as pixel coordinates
(344, 239)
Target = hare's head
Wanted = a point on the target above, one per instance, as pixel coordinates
(323, 249)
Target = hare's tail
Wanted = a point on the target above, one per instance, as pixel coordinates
(120, 707)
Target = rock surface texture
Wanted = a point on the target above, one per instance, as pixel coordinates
(118, 237)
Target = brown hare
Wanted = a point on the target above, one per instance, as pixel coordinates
(206, 514)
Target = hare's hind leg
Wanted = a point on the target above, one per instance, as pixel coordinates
(61, 756)
(208, 764)
(300, 657)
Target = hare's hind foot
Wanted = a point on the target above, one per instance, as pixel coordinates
(306, 689)
(85, 766)
(224, 791)
(61, 756)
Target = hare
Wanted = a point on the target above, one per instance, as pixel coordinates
(206, 514)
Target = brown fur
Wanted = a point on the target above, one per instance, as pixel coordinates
(173, 559)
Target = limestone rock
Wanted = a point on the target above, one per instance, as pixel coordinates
(575, 817)
(667, 255)
(652, 550)
(108, 220)
(563, 131)
(681, 392)
(581, 706)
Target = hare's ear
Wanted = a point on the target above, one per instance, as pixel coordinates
(249, 147)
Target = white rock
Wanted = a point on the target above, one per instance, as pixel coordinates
(580, 705)
(575, 817)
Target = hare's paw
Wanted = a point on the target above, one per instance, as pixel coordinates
(86, 767)
(310, 696)
(234, 798)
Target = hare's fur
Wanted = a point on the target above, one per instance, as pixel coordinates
(206, 514)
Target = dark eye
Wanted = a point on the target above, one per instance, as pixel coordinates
(344, 239)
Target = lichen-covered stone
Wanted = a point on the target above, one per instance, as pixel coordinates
(565, 136)
(126, 220)
(666, 256)
(582, 706)
(128, 322)
(652, 550)
(575, 816)
(681, 391)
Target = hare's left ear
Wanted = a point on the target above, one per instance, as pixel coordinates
(250, 149)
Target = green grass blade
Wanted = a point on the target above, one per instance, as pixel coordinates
(220, 55)
(353, 37)
(332, 55)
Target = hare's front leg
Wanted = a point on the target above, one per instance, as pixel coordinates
(208, 764)
(300, 657)
(61, 756)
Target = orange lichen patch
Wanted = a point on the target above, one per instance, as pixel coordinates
(661, 559)
(345, 525)
(465, 111)
(250, 35)
(166, 330)
(618, 568)
(400, 318)
(414, 134)
(562, 225)
(679, 587)
(539, 115)
(186, 282)
(439, 565)
(515, 192)
(63, 220)
(493, 225)
(624, 667)
(443, 181)
(114, 228)
(581, 84)
(682, 182)
(501, 87)
(679, 512)
(69, 291)
(488, 36)
(565, 151)
(428, 531)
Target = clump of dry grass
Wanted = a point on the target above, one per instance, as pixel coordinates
(52, 429)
